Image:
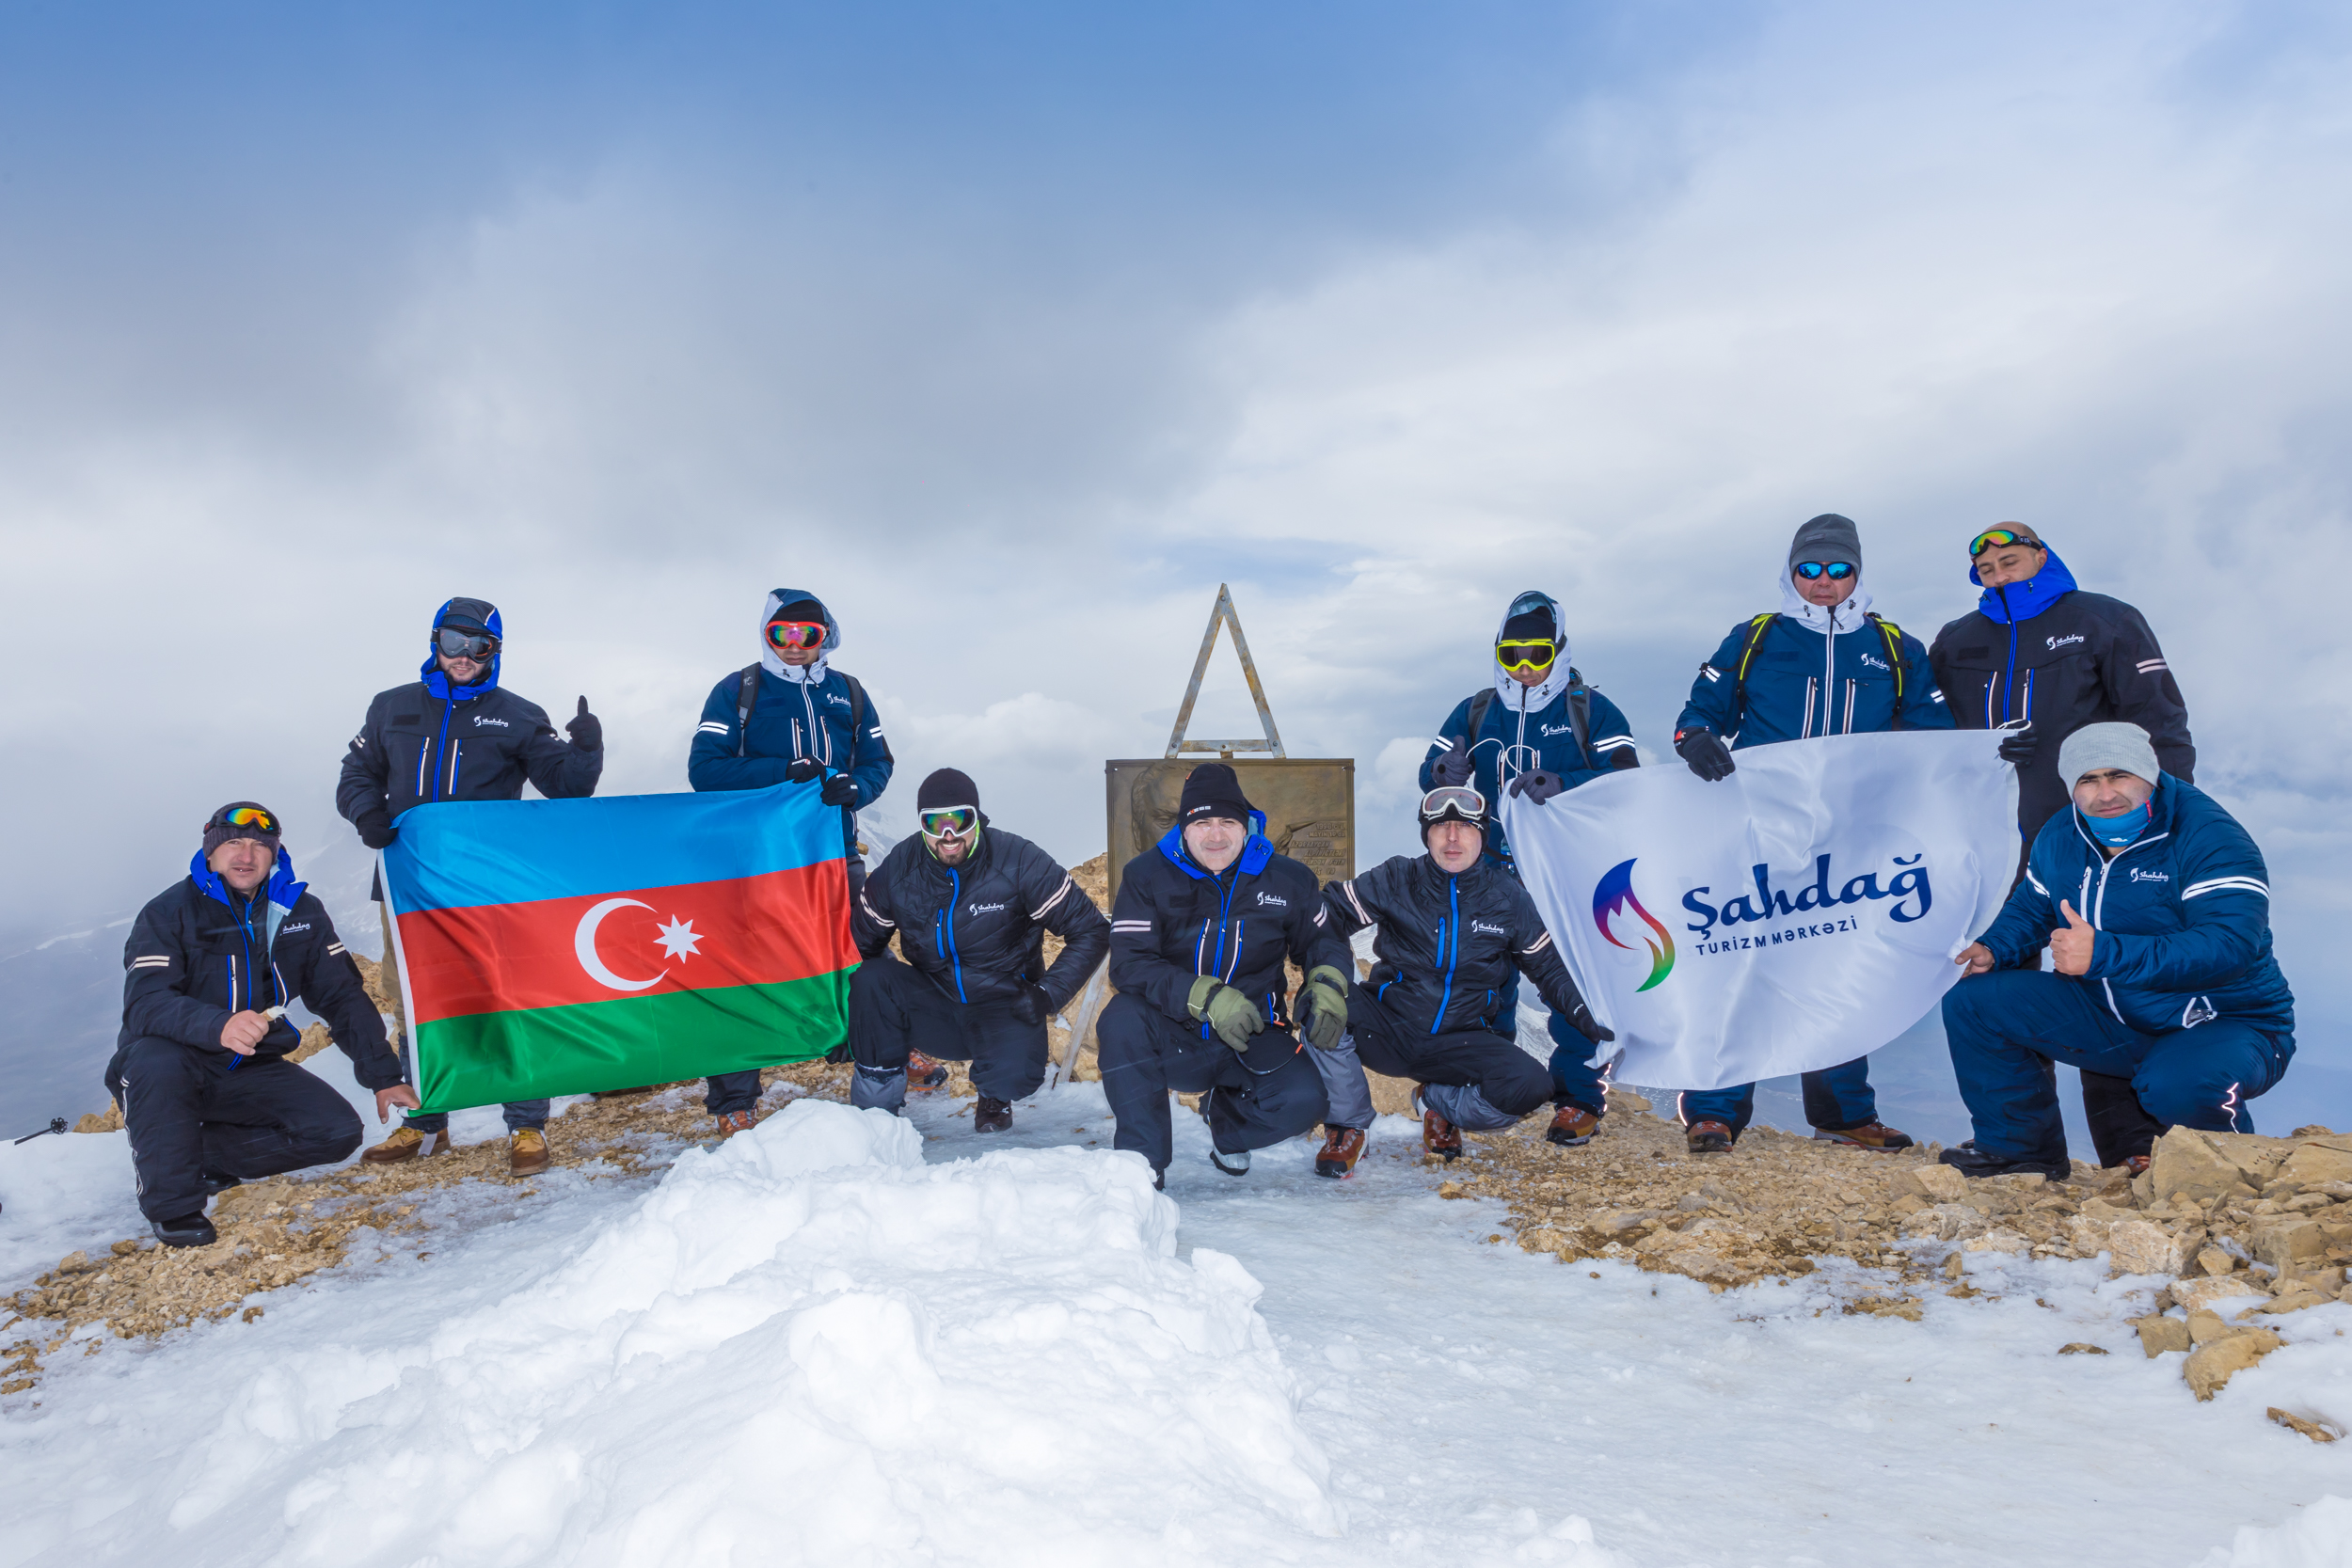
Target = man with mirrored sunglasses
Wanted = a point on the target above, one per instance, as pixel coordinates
(1535, 730)
(457, 735)
(970, 905)
(1456, 935)
(1823, 664)
(2045, 657)
(792, 717)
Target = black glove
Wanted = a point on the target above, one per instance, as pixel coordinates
(1451, 770)
(1705, 751)
(1538, 786)
(2019, 745)
(840, 790)
(1030, 1004)
(802, 769)
(375, 829)
(1580, 1019)
(587, 729)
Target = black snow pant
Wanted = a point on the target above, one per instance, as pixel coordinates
(1478, 1080)
(1271, 1094)
(727, 1092)
(893, 1011)
(190, 1117)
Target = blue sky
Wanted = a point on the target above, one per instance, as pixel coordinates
(1016, 330)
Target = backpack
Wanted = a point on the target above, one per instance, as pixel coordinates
(747, 697)
(1888, 630)
(1579, 715)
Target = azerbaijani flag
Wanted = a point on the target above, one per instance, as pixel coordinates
(565, 947)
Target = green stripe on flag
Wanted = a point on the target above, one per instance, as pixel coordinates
(490, 1058)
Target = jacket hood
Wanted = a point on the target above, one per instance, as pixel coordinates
(2023, 601)
(480, 612)
(1255, 851)
(1847, 617)
(1546, 692)
(282, 891)
(811, 674)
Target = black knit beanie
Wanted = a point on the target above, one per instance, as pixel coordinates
(947, 787)
(218, 829)
(1211, 790)
(798, 610)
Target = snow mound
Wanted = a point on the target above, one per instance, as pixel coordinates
(2318, 1537)
(804, 1346)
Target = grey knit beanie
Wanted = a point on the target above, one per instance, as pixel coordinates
(2115, 744)
(1826, 538)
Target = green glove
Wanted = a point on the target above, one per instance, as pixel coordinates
(1233, 1016)
(1323, 1007)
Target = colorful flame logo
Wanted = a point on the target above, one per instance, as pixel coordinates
(1614, 893)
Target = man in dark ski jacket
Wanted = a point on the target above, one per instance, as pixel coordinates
(970, 905)
(2043, 655)
(1202, 923)
(208, 1097)
(793, 716)
(1823, 664)
(1536, 731)
(2156, 907)
(457, 735)
(1456, 935)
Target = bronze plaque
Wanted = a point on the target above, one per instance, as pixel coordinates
(1310, 806)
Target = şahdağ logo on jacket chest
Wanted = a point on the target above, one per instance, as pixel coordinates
(984, 909)
(1272, 901)
(481, 722)
(2057, 643)
(2141, 874)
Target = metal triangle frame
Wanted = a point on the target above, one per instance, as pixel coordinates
(1225, 615)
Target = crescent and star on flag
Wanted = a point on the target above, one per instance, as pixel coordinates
(678, 939)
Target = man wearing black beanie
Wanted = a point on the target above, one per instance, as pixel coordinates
(1203, 923)
(970, 905)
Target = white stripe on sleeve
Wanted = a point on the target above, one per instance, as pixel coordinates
(2226, 884)
(1039, 913)
(1541, 943)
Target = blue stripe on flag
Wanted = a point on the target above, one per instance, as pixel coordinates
(459, 854)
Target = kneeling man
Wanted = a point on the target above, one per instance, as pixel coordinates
(970, 905)
(1456, 934)
(1202, 923)
(208, 1097)
(2156, 907)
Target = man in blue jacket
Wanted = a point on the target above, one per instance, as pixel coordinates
(1537, 730)
(458, 735)
(2156, 907)
(791, 715)
(1823, 664)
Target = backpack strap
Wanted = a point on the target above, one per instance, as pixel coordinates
(1894, 638)
(1580, 717)
(1756, 628)
(746, 698)
(1481, 700)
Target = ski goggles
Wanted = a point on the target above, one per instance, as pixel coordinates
(1454, 802)
(457, 643)
(1836, 571)
(951, 821)
(797, 634)
(253, 818)
(1993, 538)
(1531, 655)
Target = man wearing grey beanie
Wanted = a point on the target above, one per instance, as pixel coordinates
(2156, 907)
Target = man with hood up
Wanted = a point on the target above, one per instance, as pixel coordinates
(1536, 731)
(1823, 664)
(792, 716)
(208, 1096)
(970, 905)
(2043, 655)
(457, 735)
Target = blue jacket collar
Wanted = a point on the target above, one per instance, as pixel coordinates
(282, 891)
(437, 683)
(2163, 808)
(2023, 601)
(1254, 853)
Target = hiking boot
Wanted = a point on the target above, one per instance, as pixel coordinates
(1870, 1135)
(1975, 1163)
(991, 1115)
(215, 1185)
(2137, 1164)
(923, 1073)
(1573, 1126)
(526, 1152)
(1439, 1137)
(187, 1230)
(406, 1143)
(731, 1123)
(1231, 1165)
(1341, 1147)
(1709, 1137)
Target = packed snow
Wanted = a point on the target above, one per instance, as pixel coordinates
(844, 1337)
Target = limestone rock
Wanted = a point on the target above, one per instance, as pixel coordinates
(108, 1121)
(2158, 1335)
(2295, 1301)
(2143, 1246)
(1940, 1183)
(2205, 1327)
(2199, 1294)
(2257, 1157)
(2210, 1367)
(2001, 1239)
(2321, 1430)
(2187, 1166)
(2282, 1241)
(1945, 1222)
(2215, 1262)
(1626, 1099)
(2082, 1346)
(2313, 1164)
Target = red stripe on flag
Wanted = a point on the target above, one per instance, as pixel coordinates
(653, 942)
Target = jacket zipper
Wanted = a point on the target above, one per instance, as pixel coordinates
(1448, 931)
(2009, 686)
(449, 705)
(1852, 687)
(946, 939)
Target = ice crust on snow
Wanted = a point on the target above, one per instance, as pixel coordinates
(805, 1343)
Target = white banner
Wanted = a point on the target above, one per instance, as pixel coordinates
(1795, 915)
